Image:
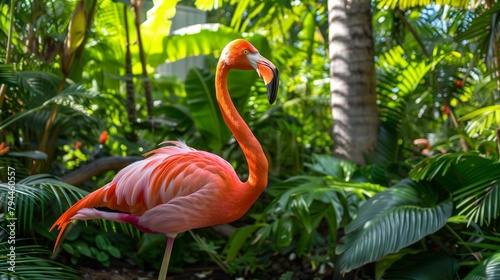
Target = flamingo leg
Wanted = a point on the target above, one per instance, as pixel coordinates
(166, 259)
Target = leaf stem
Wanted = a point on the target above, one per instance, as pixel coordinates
(213, 256)
(460, 239)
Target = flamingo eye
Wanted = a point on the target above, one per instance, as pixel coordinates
(246, 52)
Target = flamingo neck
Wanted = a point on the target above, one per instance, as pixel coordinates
(256, 159)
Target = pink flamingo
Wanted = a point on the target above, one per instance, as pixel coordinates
(177, 188)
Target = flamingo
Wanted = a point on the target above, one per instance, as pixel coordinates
(177, 188)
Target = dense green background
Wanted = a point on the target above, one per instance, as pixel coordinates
(438, 78)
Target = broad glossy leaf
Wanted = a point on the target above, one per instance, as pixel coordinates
(422, 266)
(488, 269)
(156, 28)
(203, 39)
(203, 106)
(76, 28)
(390, 221)
(202, 103)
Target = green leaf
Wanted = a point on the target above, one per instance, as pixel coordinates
(113, 251)
(481, 119)
(284, 233)
(204, 39)
(33, 262)
(102, 256)
(200, 85)
(38, 155)
(473, 180)
(155, 30)
(422, 266)
(102, 242)
(390, 221)
(82, 248)
(238, 238)
(7, 74)
(299, 207)
(68, 248)
(488, 269)
(408, 4)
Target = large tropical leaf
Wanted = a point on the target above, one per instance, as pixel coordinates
(155, 29)
(204, 39)
(488, 269)
(390, 221)
(203, 106)
(422, 266)
(202, 103)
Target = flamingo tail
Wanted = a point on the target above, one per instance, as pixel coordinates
(94, 199)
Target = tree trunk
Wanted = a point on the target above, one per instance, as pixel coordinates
(352, 84)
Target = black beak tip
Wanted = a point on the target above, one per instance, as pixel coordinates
(272, 87)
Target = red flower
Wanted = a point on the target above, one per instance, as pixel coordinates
(4, 148)
(104, 137)
(459, 83)
(446, 109)
(78, 145)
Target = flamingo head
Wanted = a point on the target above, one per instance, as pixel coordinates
(240, 54)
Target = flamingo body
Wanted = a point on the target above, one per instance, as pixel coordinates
(177, 188)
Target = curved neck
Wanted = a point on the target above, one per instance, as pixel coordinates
(256, 159)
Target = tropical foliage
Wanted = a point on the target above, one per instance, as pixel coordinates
(77, 88)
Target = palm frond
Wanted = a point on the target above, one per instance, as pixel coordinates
(37, 193)
(7, 74)
(485, 244)
(408, 4)
(398, 79)
(482, 29)
(390, 221)
(32, 262)
(474, 182)
(73, 116)
(486, 118)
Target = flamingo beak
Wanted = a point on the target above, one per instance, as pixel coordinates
(269, 73)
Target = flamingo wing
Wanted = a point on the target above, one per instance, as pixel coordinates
(174, 189)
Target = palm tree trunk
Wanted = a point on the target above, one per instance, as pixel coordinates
(137, 5)
(128, 73)
(352, 79)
